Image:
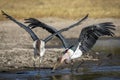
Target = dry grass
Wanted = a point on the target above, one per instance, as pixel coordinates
(61, 8)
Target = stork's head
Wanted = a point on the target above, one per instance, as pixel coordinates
(64, 58)
(39, 48)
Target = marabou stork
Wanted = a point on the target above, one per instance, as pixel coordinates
(39, 44)
(88, 37)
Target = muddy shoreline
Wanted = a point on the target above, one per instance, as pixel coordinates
(22, 59)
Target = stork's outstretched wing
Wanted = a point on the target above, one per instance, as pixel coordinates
(33, 23)
(65, 29)
(89, 35)
(32, 34)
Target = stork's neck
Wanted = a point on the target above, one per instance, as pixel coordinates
(35, 43)
(39, 47)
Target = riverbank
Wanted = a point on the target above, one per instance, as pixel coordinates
(22, 58)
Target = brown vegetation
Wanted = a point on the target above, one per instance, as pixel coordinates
(61, 8)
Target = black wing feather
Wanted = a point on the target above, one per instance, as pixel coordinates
(65, 29)
(33, 23)
(89, 35)
(32, 34)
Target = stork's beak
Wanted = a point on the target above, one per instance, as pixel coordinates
(60, 61)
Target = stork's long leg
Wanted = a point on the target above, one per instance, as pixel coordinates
(40, 61)
(71, 65)
(34, 62)
(79, 65)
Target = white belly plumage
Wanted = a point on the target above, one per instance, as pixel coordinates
(76, 54)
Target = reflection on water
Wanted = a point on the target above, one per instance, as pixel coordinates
(110, 45)
(94, 73)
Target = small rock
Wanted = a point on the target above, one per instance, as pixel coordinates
(8, 62)
(16, 67)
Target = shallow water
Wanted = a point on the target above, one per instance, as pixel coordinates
(104, 72)
(93, 73)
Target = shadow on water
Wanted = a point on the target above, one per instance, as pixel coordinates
(107, 72)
